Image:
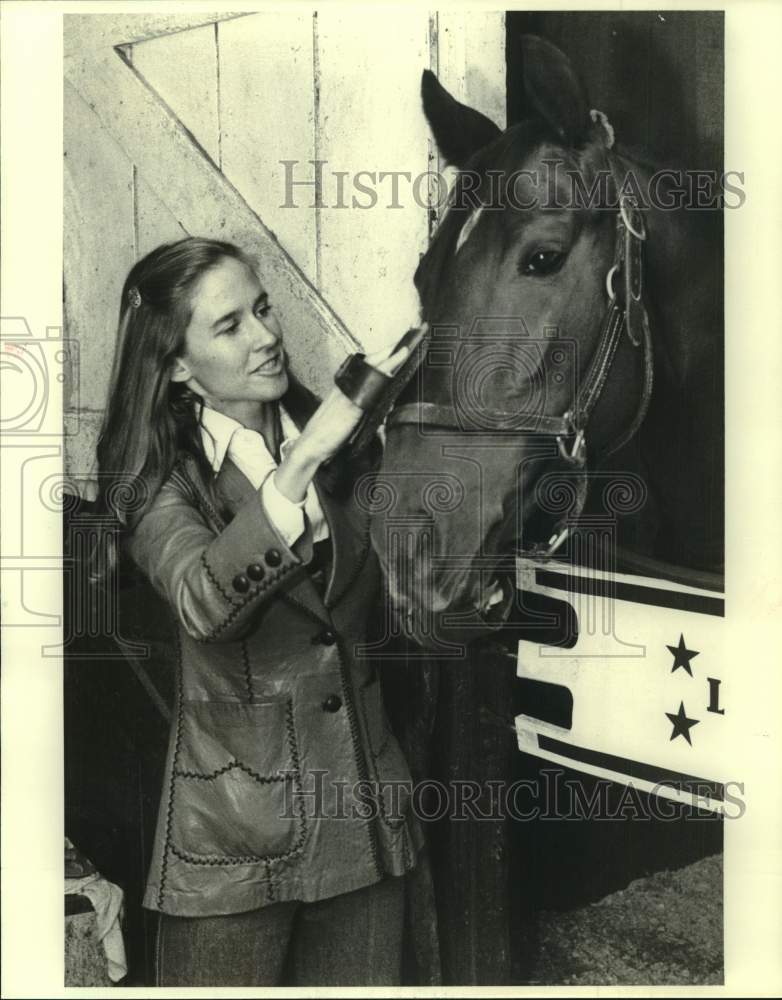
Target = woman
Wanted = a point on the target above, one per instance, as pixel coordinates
(283, 834)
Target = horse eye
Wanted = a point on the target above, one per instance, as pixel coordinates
(542, 262)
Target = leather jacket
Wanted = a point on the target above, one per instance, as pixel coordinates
(282, 779)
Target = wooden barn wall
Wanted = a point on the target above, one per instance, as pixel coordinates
(337, 85)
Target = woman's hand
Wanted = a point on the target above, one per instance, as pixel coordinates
(328, 429)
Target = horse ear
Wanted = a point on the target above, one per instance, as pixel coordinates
(553, 90)
(459, 131)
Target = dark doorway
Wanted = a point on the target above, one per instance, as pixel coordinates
(659, 76)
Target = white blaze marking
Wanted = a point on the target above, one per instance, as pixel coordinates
(467, 228)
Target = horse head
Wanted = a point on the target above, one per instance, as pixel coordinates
(538, 357)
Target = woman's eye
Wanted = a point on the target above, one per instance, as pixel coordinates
(542, 262)
(230, 329)
(264, 310)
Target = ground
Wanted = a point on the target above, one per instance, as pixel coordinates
(665, 929)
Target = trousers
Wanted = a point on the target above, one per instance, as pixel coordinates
(354, 939)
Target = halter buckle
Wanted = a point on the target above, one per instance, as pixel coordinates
(632, 217)
(610, 290)
(576, 453)
(556, 540)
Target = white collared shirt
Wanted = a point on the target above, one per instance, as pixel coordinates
(222, 435)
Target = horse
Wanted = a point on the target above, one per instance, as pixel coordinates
(572, 368)
(575, 314)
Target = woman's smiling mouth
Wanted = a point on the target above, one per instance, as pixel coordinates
(272, 366)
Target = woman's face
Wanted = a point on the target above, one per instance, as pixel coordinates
(233, 346)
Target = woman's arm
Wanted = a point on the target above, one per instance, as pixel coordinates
(214, 583)
(327, 430)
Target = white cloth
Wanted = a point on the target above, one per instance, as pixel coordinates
(222, 435)
(106, 899)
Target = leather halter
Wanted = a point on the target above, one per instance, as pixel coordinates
(625, 312)
(627, 315)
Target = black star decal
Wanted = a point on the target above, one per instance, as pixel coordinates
(681, 724)
(682, 656)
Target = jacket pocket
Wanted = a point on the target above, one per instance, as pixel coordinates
(236, 773)
(387, 762)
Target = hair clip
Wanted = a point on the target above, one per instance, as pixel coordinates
(134, 297)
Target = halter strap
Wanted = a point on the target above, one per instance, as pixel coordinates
(628, 316)
(628, 262)
(444, 415)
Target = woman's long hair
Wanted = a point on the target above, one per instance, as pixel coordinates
(149, 419)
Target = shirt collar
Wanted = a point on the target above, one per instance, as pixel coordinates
(217, 429)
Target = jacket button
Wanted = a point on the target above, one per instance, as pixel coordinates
(325, 638)
(241, 583)
(273, 558)
(256, 572)
(333, 703)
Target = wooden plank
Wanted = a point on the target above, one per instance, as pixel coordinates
(485, 68)
(370, 119)
(468, 56)
(182, 69)
(93, 32)
(472, 858)
(205, 202)
(266, 113)
(98, 244)
(471, 59)
(155, 222)
(80, 443)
